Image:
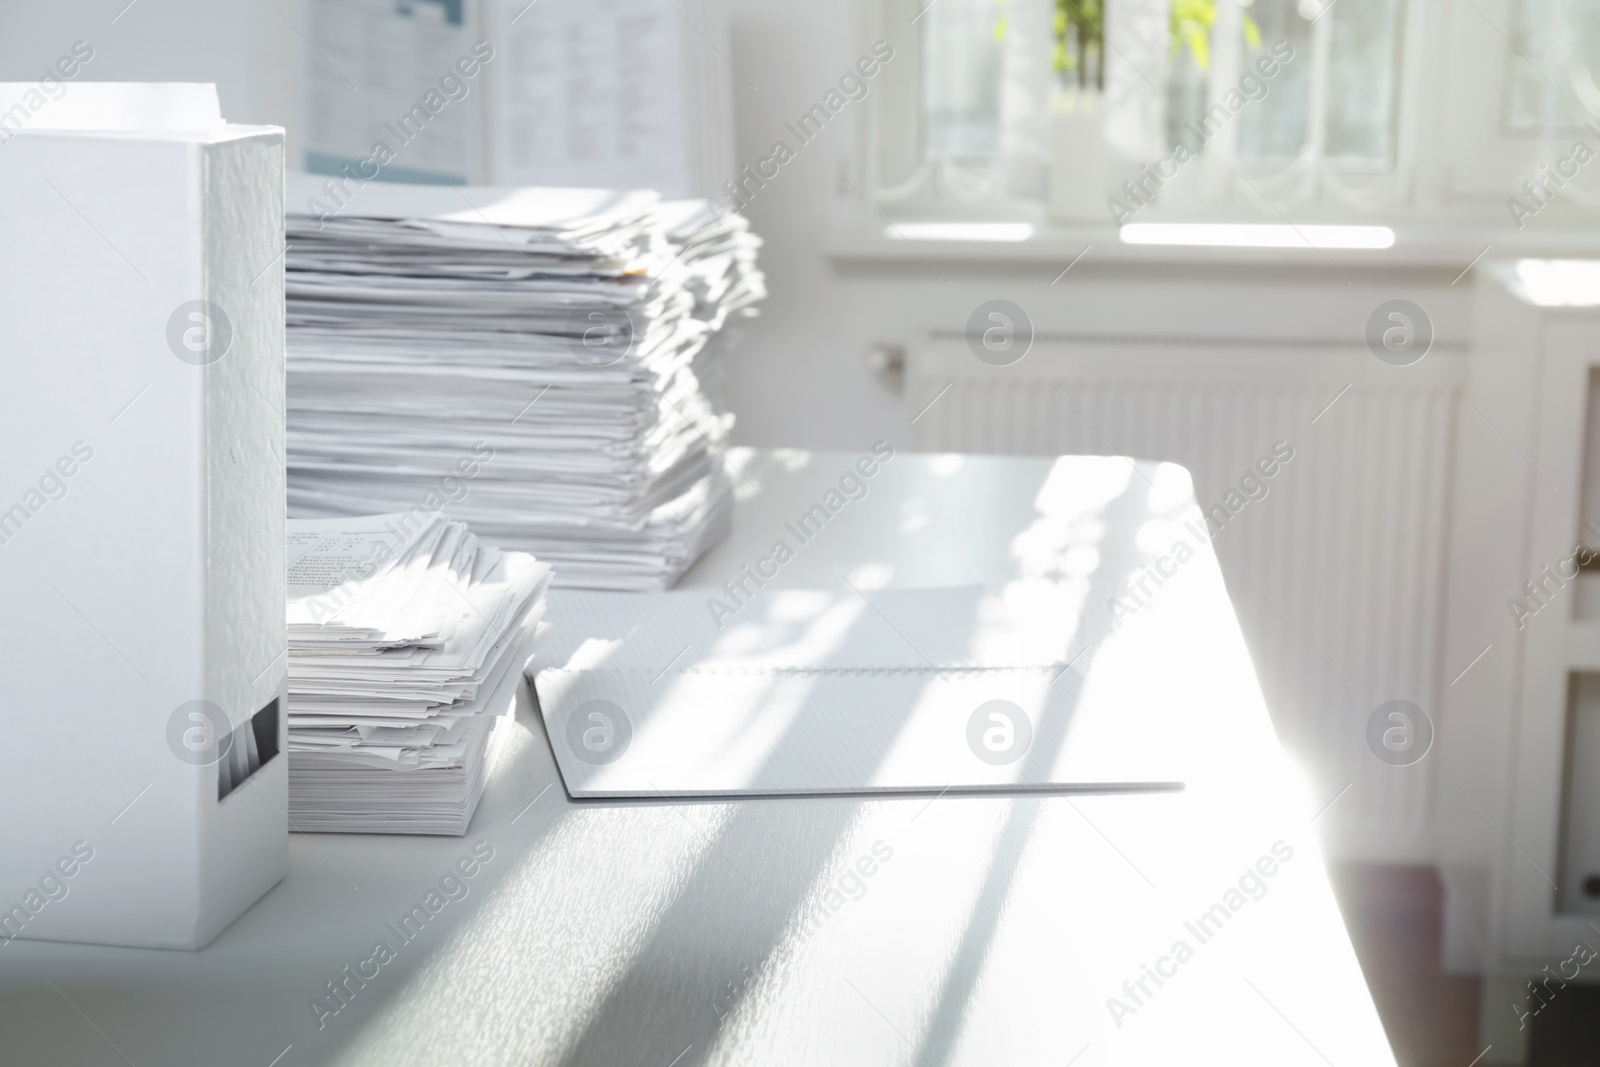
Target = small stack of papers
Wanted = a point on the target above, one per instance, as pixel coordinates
(407, 637)
(530, 361)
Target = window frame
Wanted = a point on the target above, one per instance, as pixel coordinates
(1452, 156)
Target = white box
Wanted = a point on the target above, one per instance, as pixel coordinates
(141, 513)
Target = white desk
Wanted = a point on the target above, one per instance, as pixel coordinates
(988, 931)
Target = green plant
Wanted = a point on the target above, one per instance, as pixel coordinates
(1080, 24)
(1190, 27)
(1079, 30)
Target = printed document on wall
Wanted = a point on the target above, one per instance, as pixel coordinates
(388, 100)
(610, 94)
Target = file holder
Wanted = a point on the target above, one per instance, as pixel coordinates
(142, 568)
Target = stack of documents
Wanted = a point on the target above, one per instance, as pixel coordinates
(527, 360)
(407, 638)
(718, 252)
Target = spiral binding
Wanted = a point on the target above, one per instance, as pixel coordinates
(939, 669)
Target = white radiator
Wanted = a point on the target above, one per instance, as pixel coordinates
(1336, 573)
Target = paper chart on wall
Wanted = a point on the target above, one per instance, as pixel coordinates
(385, 71)
(597, 92)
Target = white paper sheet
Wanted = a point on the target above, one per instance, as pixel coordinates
(924, 690)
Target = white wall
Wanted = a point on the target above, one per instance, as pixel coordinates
(800, 380)
(252, 49)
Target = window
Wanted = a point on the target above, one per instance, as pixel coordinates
(1549, 39)
(1369, 106)
(961, 80)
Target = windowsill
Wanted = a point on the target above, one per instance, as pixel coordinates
(1416, 247)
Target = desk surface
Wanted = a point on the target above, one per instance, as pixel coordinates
(1183, 928)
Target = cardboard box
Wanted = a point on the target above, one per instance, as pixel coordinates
(142, 768)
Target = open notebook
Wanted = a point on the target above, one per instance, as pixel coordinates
(905, 690)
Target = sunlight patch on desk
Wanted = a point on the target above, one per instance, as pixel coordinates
(823, 966)
(1079, 486)
(1171, 487)
(1225, 885)
(872, 576)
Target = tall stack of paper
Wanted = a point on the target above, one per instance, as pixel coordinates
(406, 639)
(528, 360)
(718, 252)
